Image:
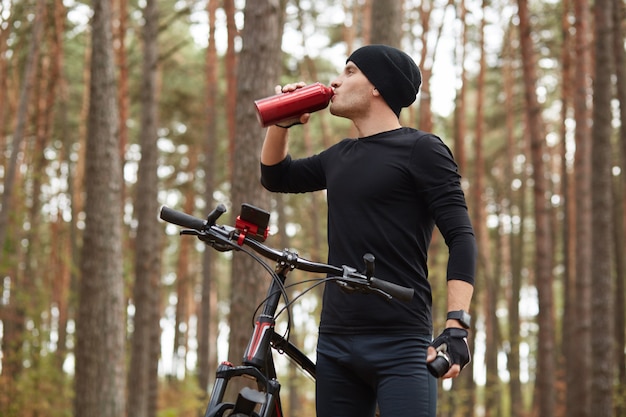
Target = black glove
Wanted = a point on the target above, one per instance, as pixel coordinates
(452, 348)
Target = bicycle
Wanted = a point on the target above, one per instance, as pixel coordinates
(250, 231)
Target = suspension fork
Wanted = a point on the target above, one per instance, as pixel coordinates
(257, 361)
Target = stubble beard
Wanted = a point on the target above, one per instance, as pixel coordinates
(349, 110)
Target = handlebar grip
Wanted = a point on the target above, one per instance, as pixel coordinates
(395, 290)
(181, 219)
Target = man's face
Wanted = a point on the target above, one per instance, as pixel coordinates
(353, 93)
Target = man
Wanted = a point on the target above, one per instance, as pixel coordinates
(386, 191)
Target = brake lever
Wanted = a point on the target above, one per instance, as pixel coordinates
(191, 232)
(345, 285)
(350, 273)
(382, 293)
(362, 288)
(219, 245)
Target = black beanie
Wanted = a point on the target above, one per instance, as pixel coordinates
(394, 74)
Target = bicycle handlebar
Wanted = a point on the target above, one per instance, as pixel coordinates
(225, 238)
(182, 219)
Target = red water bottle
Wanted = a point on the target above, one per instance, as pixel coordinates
(291, 105)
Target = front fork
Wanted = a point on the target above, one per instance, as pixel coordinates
(258, 364)
(248, 399)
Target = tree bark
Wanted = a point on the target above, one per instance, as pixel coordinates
(257, 73)
(231, 82)
(487, 290)
(30, 73)
(460, 108)
(579, 379)
(515, 235)
(602, 318)
(100, 326)
(620, 209)
(207, 321)
(544, 385)
(386, 22)
(146, 341)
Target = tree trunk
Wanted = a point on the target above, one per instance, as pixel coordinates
(425, 120)
(257, 73)
(14, 315)
(386, 22)
(464, 404)
(579, 378)
(544, 388)
(515, 244)
(30, 72)
(568, 232)
(488, 288)
(5, 31)
(100, 326)
(231, 82)
(602, 317)
(146, 346)
(184, 285)
(460, 108)
(121, 11)
(207, 320)
(62, 275)
(619, 290)
(620, 210)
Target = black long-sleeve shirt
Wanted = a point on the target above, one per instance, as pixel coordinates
(385, 193)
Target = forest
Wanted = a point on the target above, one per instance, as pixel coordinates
(112, 108)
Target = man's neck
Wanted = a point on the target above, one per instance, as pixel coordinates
(373, 125)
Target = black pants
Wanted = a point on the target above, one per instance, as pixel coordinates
(354, 373)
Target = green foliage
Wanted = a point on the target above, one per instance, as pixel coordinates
(181, 398)
(42, 389)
